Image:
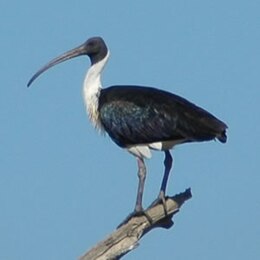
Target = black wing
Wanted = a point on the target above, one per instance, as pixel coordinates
(136, 115)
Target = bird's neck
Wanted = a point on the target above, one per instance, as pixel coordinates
(91, 90)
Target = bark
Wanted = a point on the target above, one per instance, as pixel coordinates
(126, 237)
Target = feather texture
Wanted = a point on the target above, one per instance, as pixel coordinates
(142, 115)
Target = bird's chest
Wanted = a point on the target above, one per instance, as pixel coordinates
(92, 110)
(91, 100)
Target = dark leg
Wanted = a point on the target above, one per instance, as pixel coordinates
(167, 168)
(168, 165)
(141, 176)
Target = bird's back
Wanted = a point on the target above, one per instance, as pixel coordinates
(140, 115)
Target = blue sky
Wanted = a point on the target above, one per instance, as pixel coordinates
(63, 187)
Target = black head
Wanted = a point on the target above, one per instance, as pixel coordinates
(94, 47)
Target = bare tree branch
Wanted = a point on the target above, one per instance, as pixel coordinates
(125, 238)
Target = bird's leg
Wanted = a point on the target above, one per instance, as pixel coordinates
(138, 211)
(167, 168)
(141, 176)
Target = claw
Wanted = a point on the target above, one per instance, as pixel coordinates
(161, 199)
(135, 213)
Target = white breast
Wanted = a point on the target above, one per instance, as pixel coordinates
(91, 91)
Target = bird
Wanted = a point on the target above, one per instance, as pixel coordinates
(139, 119)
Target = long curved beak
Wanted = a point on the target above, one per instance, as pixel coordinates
(80, 50)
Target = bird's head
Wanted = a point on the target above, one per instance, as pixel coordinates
(94, 47)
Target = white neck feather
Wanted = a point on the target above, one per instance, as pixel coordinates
(91, 91)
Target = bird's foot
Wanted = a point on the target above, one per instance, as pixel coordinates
(161, 199)
(136, 213)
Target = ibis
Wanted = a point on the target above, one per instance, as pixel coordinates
(137, 118)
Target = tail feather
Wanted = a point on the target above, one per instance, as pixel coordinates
(222, 137)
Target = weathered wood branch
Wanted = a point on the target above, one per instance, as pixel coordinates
(125, 238)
